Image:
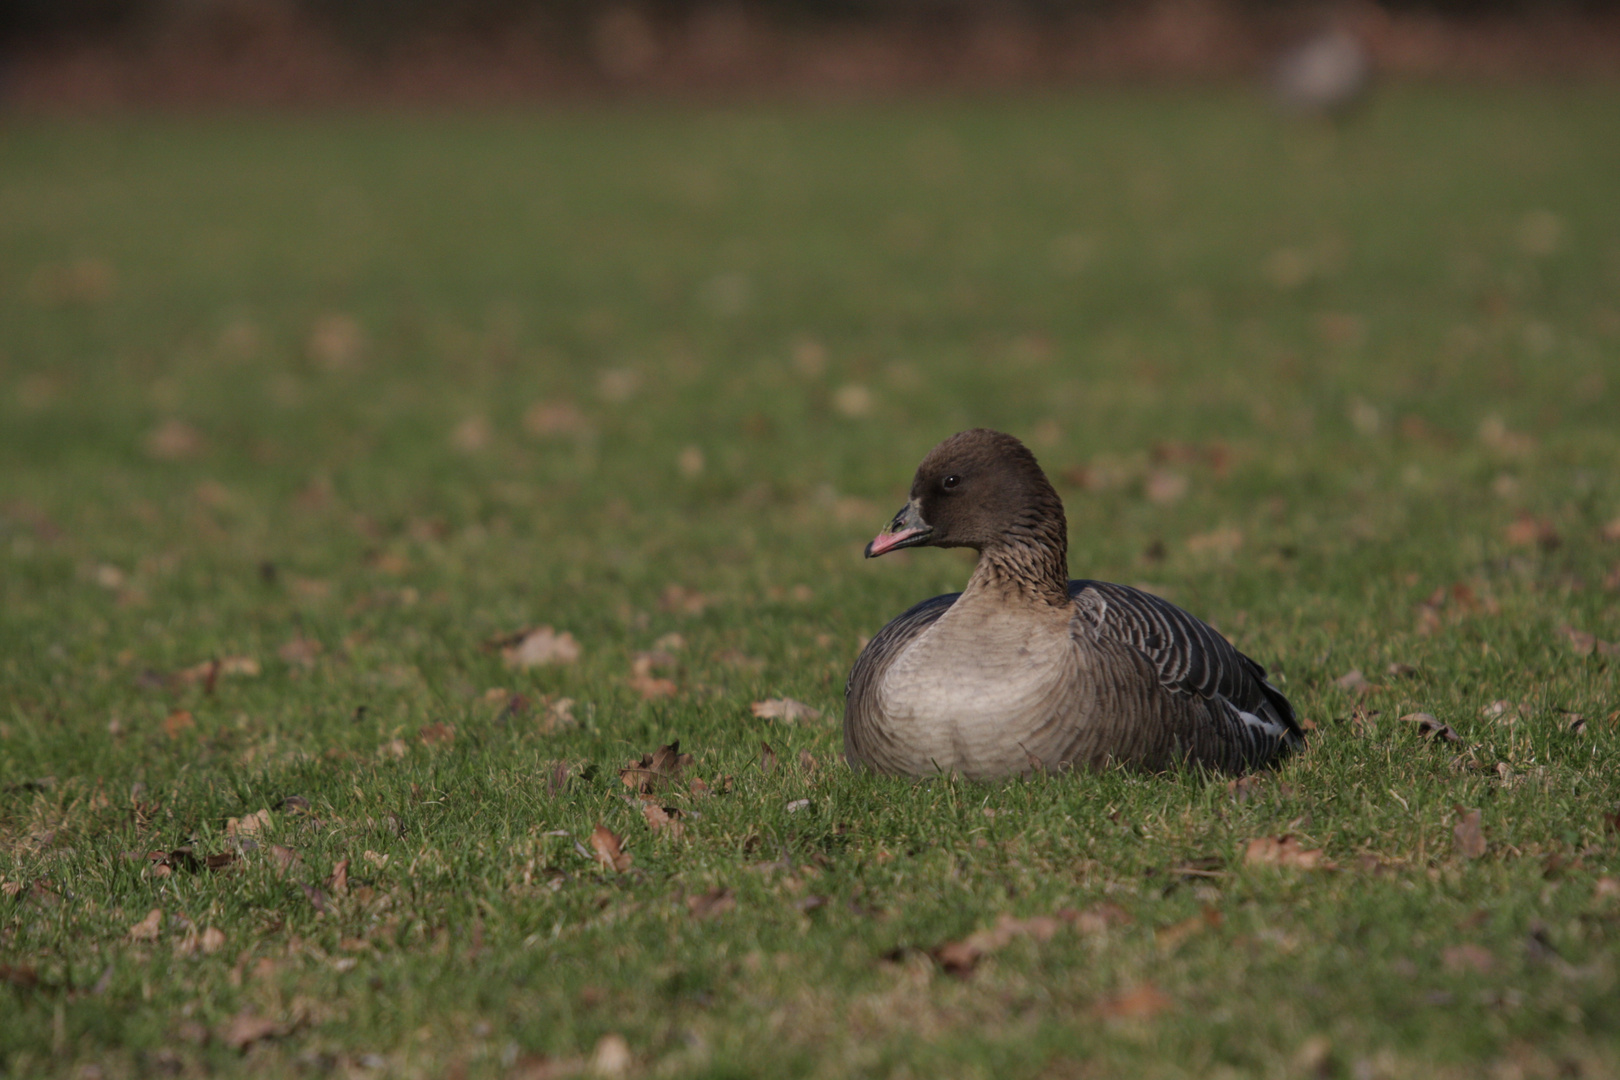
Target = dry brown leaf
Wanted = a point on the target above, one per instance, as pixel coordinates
(1396, 670)
(1096, 919)
(537, 647)
(251, 825)
(767, 758)
(1168, 937)
(1468, 836)
(1282, 851)
(612, 1057)
(22, 976)
(651, 771)
(337, 883)
(646, 662)
(961, 957)
(1430, 728)
(436, 733)
(1468, 957)
(174, 440)
(717, 901)
(225, 666)
(683, 601)
(1165, 486)
(545, 419)
(1355, 682)
(283, 858)
(1527, 530)
(1142, 1003)
(558, 715)
(244, 1029)
(651, 687)
(301, 651)
(663, 819)
(785, 709)
(608, 848)
(148, 928)
(1244, 788)
(1221, 542)
(177, 722)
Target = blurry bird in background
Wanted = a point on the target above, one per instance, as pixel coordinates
(1326, 74)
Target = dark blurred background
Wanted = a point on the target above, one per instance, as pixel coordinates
(73, 53)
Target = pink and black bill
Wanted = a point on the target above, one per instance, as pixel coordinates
(908, 529)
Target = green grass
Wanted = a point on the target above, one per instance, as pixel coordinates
(1364, 352)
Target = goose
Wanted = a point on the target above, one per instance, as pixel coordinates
(1025, 670)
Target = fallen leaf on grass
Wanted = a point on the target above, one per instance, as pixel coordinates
(1244, 788)
(148, 928)
(767, 758)
(1397, 670)
(1220, 542)
(653, 770)
(283, 858)
(436, 733)
(1282, 851)
(1527, 530)
(717, 901)
(700, 788)
(1143, 1003)
(338, 882)
(784, 709)
(798, 804)
(177, 722)
(300, 651)
(174, 440)
(539, 646)
(251, 825)
(612, 1056)
(1586, 644)
(683, 601)
(643, 680)
(22, 976)
(1355, 682)
(1163, 487)
(1168, 937)
(663, 819)
(208, 942)
(1096, 919)
(244, 1029)
(1467, 836)
(1468, 957)
(549, 418)
(224, 667)
(1429, 727)
(557, 716)
(961, 957)
(606, 844)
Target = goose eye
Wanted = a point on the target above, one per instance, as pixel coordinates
(950, 482)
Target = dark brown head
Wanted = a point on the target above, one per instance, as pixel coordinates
(979, 489)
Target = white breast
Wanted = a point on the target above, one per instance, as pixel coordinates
(970, 694)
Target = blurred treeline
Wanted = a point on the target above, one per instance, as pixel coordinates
(384, 23)
(71, 53)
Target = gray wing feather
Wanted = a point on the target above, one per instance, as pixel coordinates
(1192, 659)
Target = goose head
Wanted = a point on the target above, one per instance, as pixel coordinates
(978, 489)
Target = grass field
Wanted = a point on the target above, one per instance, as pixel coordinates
(301, 415)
